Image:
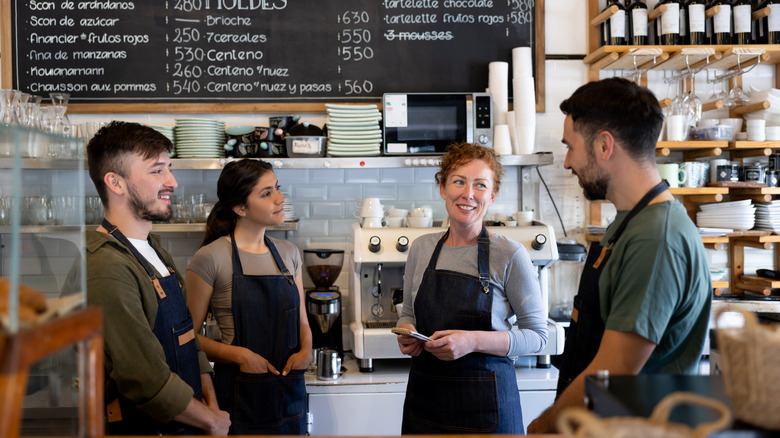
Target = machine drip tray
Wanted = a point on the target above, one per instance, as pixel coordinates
(379, 325)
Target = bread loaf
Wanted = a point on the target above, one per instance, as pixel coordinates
(31, 302)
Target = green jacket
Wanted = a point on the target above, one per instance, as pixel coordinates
(134, 359)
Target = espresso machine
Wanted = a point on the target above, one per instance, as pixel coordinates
(376, 286)
(323, 303)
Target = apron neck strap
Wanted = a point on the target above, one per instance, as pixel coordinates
(114, 231)
(649, 196)
(239, 270)
(483, 256)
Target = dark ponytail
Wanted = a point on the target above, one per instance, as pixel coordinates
(234, 186)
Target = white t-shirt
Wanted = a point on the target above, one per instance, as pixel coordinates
(150, 255)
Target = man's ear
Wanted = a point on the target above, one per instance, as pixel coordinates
(605, 145)
(114, 182)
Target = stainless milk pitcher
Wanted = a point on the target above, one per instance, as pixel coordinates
(328, 364)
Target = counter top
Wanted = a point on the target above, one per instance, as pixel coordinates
(390, 375)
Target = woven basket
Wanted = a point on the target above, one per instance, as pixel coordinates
(581, 423)
(749, 358)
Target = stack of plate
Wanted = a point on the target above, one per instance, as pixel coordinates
(353, 130)
(738, 215)
(199, 138)
(768, 216)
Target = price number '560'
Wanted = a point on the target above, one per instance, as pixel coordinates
(352, 87)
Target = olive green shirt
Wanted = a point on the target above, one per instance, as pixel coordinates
(134, 360)
(656, 283)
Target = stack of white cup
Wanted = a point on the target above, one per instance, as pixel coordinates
(371, 213)
(756, 130)
(421, 217)
(396, 217)
(524, 100)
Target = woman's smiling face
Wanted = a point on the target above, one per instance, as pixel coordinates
(468, 192)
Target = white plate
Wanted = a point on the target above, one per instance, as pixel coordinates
(345, 107)
(350, 124)
(339, 113)
(347, 141)
(742, 203)
(352, 154)
(353, 128)
(360, 133)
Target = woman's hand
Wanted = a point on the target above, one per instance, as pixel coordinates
(408, 345)
(298, 361)
(450, 344)
(253, 363)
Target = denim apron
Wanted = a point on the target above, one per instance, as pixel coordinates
(476, 393)
(174, 330)
(586, 328)
(266, 311)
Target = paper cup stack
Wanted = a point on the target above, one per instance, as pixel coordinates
(524, 99)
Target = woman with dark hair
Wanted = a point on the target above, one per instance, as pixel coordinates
(465, 288)
(253, 284)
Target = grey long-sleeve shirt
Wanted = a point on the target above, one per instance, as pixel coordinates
(516, 291)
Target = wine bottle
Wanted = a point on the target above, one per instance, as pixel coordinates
(696, 18)
(637, 23)
(669, 29)
(683, 23)
(721, 23)
(613, 29)
(743, 22)
(773, 22)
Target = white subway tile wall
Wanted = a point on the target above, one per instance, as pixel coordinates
(324, 199)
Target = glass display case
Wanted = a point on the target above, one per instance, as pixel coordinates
(42, 316)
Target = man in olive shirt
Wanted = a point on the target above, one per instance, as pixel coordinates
(157, 377)
(643, 304)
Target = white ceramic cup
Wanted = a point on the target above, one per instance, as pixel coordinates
(676, 127)
(419, 222)
(672, 173)
(756, 133)
(373, 222)
(394, 222)
(369, 204)
(396, 212)
(693, 173)
(524, 218)
(370, 207)
(417, 212)
(773, 133)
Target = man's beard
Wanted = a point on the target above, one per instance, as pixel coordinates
(142, 211)
(594, 182)
(595, 190)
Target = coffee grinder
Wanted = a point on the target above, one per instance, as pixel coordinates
(323, 303)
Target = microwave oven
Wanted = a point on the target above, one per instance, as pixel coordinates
(426, 123)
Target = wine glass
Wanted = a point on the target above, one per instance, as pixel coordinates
(9, 99)
(738, 97)
(59, 98)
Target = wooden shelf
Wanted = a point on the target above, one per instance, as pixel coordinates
(749, 305)
(723, 57)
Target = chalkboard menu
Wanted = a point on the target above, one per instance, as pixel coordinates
(261, 50)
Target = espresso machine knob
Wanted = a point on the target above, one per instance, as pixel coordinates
(374, 244)
(539, 242)
(402, 244)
